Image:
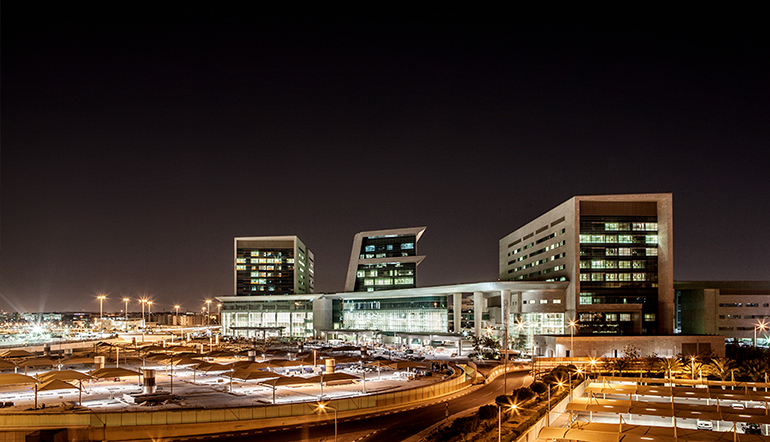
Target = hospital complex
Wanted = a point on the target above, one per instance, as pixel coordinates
(584, 279)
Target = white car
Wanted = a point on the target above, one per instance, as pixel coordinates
(705, 425)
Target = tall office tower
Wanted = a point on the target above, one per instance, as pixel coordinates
(384, 260)
(617, 253)
(272, 265)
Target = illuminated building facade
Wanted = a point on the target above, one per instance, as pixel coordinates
(272, 278)
(384, 260)
(615, 250)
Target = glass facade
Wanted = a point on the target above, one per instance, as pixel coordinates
(383, 275)
(618, 265)
(424, 314)
(264, 271)
(294, 317)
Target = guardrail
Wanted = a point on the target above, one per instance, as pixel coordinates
(131, 425)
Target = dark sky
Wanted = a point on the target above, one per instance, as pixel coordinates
(137, 144)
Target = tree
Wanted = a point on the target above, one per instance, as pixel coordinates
(669, 366)
(724, 368)
(631, 352)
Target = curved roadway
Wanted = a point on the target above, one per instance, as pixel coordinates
(392, 426)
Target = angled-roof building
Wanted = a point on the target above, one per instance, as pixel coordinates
(384, 260)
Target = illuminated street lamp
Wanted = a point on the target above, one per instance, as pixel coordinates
(572, 325)
(143, 301)
(126, 301)
(101, 299)
(500, 421)
(760, 325)
(323, 407)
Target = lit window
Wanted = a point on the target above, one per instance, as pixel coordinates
(611, 226)
(611, 252)
(649, 317)
(652, 252)
(611, 317)
(638, 264)
(360, 274)
(597, 276)
(556, 301)
(611, 238)
(624, 276)
(625, 317)
(651, 239)
(651, 226)
(640, 277)
(597, 264)
(624, 251)
(407, 246)
(243, 267)
(585, 276)
(255, 253)
(612, 277)
(625, 239)
(544, 301)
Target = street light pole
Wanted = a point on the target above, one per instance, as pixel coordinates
(323, 407)
(126, 301)
(572, 325)
(760, 325)
(149, 310)
(208, 312)
(101, 304)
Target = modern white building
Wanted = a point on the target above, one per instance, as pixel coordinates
(616, 252)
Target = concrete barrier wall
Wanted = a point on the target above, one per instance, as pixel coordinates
(126, 425)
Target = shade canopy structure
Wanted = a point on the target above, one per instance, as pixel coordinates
(249, 365)
(249, 375)
(329, 377)
(286, 381)
(16, 354)
(113, 372)
(15, 378)
(220, 354)
(285, 363)
(39, 362)
(208, 367)
(62, 375)
(74, 360)
(5, 365)
(56, 384)
(185, 360)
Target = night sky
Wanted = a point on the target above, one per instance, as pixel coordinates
(137, 144)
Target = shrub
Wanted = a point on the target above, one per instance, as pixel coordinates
(538, 387)
(488, 411)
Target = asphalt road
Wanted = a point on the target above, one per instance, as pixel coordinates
(392, 426)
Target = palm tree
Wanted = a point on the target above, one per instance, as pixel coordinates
(723, 368)
(755, 369)
(669, 366)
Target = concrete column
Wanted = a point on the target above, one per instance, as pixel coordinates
(478, 309)
(505, 310)
(457, 306)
